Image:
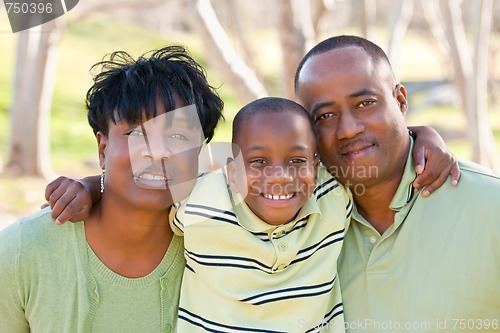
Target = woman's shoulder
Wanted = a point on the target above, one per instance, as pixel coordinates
(37, 231)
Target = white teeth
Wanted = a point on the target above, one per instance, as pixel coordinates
(278, 197)
(149, 176)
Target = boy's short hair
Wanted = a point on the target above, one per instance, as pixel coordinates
(268, 105)
(127, 89)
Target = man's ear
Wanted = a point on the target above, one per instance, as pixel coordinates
(102, 141)
(401, 98)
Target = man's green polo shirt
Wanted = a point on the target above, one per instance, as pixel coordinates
(437, 269)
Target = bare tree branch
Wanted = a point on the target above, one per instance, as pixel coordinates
(233, 69)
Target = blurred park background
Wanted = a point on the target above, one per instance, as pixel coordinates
(446, 52)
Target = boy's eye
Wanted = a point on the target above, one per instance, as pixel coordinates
(257, 161)
(298, 160)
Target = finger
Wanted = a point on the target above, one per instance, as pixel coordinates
(52, 186)
(59, 205)
(427, 191)
(77, 209)
(455, 174)
(419, 159)
(424, 179)
(55, 190)
(73, 214)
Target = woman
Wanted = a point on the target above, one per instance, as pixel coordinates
(120, 269)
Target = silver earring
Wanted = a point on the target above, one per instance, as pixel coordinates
(102, 180)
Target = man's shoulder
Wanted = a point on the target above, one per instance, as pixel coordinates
(479, 187)
(474, 170)
(477, 179)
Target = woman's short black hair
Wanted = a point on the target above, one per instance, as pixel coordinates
(126, 89)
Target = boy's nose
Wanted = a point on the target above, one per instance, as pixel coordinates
(279, 174)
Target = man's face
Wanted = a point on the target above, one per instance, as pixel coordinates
(358, 112)
(280, 161)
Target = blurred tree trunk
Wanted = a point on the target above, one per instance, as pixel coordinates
(319, 8)
(29, 148)
(34, 80)
(223, 56)
(471, 75)
(398, 25)
(297, 36)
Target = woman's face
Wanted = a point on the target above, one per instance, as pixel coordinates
(155, 163)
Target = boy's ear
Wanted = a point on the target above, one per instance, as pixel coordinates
(232, 176)
(102, 142)
(316, 160)
(316, 165)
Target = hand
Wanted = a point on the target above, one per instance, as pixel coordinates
(69, 199)
(433, 161)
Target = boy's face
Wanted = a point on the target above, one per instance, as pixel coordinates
(281, 163)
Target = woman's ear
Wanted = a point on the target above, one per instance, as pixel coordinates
(102, 141)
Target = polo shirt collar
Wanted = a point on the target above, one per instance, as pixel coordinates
(403, 196)
(253, 223)
(405, 191)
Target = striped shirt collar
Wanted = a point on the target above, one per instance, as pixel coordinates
(405, 192)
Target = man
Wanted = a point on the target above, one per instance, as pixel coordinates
(409, 263)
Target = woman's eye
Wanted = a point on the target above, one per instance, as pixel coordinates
(136, 132)
(179, 137)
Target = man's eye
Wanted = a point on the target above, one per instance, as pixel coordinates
(325, 116)
(365, 103)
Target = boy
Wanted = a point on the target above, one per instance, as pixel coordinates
(265, 261)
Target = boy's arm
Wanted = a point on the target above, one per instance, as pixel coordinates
(71, 199)
(433, 161)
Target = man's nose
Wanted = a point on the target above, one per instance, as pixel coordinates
(349, 125)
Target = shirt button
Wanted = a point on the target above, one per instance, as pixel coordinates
(168, 328)
(283, 246)
(278, 234)
(373, 239)
(281, 267)
(164, 282)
